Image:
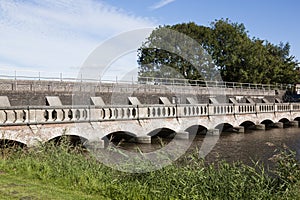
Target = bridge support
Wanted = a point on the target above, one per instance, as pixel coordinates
(238, 129)
(213, 132)
(294, 123)
(182, 135)
(95, 144)
(143, 139)
(277, 125)
(260, 127)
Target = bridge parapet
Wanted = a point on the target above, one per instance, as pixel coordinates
(31, 115)
(244, 108)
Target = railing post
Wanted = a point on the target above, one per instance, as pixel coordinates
(257, 109)
(176, 110)
(137, 112)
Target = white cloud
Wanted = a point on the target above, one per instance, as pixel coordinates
(57, 36)
(160, 4)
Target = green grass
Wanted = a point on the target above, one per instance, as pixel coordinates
(19, 187)
(61, 172)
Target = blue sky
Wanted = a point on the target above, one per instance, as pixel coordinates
(58, 36)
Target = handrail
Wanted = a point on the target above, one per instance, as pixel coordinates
(146, 81)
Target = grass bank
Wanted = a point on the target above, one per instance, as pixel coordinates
(61, 172)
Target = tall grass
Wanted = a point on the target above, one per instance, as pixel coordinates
(188, 178)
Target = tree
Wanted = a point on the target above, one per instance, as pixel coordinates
(223, 48)
(169, 53)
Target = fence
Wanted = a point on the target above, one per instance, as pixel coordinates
(143, 81)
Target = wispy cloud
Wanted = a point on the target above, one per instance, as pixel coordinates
(58, 35)
(160, 4)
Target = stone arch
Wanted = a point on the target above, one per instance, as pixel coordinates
(267, 122)
(247, 124)
(197, 129)
(162, 133)
(6, 143)
(120, 136)
(284, 120)
(224, 127)
(73, 140)
(297, 119)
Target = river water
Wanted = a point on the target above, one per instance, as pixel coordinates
(246, 147)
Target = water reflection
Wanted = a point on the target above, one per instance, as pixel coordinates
(252, 145)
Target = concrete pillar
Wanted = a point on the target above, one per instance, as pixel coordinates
(2, 117)
(213, 132)
(238, 129)
(294, 123)
(143, 139)
(95, 144)
(260, 127)
(277, 125)
(95, 113)
(182, 135)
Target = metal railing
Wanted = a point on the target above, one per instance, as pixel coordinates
(38, 76)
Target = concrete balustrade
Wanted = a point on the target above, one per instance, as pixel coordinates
(295, 107)
(10, 116)
(221, 109)
(283, 107)
(65, 114)
(21, 116)
(266, 107)
(244, 108)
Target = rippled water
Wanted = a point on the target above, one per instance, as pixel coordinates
(245, 147)
(254, 145)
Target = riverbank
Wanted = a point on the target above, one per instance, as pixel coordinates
(61, 172)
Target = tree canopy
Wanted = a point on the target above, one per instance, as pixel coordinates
(196, 52)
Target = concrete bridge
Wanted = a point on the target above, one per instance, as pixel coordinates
(94, 123)
(33, 111)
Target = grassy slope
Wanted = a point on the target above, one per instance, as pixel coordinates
(52, 172)
(16, 187)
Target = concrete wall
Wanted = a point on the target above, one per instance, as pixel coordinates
(29, 92)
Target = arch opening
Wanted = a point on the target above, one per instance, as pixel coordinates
(285, 121)
(161, 137)
(11, 144)
(70, 140)
(297, 119)
(248, 125)
(120, 137)
(224, 128)
(268, 123)
(162, 133)
(197, 130)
